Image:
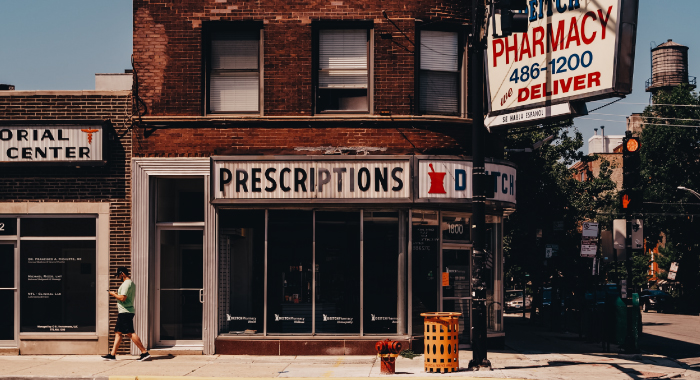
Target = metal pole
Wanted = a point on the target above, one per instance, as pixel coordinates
(476, 58)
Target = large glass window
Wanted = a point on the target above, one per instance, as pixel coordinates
(381, 267)
(338, 272)
(289, 276)
(241, 271)
(58, 275)
(7, 293)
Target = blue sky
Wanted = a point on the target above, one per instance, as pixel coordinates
(60, 45)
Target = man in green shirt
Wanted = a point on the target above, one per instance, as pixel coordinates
(125, 319)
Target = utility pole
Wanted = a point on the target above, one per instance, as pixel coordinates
(476, 79)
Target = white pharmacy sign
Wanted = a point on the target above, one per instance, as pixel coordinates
(573, 50)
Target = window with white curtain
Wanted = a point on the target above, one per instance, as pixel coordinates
(234, 71)
(439, 72)
(343, 70)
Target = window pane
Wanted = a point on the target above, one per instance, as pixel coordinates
(7, 266)
(381, 255)
(439, 51)
(342, 100)
(289, 271)
(241, 270)
(180, 199)
(343, 79)
(57, 282)
(456, 228)
(235, 50)
(58, 227)
(425, 247)
(343, 49)
(338, 272)
(181, 278)
(439, 92)
(7, 317)
(234, 91)
(8, 226)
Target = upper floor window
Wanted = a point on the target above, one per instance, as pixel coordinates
(439, 87)
(343, 72)
(234, 73)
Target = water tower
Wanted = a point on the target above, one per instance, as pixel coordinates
(669, 67)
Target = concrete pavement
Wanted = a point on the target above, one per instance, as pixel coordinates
(531, 353)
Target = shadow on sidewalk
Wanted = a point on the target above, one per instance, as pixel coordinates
(531, 339)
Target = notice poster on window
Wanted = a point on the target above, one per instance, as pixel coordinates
(425, 239)
(58, 286)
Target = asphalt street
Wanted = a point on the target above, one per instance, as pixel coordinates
(673, 335)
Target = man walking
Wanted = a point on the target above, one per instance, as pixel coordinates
(125, 318)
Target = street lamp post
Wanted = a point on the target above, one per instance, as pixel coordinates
(689, 190)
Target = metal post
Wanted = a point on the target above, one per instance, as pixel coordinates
(476, 58)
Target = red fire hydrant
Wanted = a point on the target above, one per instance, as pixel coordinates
(388, 350)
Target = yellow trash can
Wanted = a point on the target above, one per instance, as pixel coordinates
(441, 341)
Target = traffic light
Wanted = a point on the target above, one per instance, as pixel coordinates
(631, 161)
(630, 201)
(513, 16)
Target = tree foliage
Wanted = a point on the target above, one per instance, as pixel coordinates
(670, 158)
(549, 193)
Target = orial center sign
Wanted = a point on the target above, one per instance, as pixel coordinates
(573, 50)
(49, 143)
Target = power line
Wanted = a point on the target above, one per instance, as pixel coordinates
(653, 105)
(661, 125)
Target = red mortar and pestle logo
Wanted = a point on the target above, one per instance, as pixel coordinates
(437, 182)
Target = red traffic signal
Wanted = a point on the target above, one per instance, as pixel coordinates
(630, 201)
(631, 145)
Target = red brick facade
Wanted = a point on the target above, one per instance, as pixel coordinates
(168, 55)
(110, 183)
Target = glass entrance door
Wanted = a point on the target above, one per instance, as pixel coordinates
(8, 295)
(456, 288)
(180, 293)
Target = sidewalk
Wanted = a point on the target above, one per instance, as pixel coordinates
(532, 353)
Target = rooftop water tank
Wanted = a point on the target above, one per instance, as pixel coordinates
(669, 67)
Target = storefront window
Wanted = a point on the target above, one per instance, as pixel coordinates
(337, 272)
(180, 200)
(425, 252)
(381, 255)
(7, 294)
(241, 271)
(57, 275)
(290, 258)
(8, 226)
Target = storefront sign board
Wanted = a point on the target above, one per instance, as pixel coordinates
(444, 179)
(572, 51)
(54, 143)
(359, 180)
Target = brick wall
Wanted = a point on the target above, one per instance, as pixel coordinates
(110, 183)
(168, 48)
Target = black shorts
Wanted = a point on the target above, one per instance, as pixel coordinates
(125, 323)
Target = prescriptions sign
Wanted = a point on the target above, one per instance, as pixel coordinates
(573, 50)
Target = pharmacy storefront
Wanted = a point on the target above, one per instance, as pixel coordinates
(308, 254)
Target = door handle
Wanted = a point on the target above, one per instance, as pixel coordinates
(201, 295)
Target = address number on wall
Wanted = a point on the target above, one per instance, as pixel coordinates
(2, 226)
(456, 228)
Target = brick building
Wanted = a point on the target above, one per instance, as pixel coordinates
(301, 175)
(65, 217)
